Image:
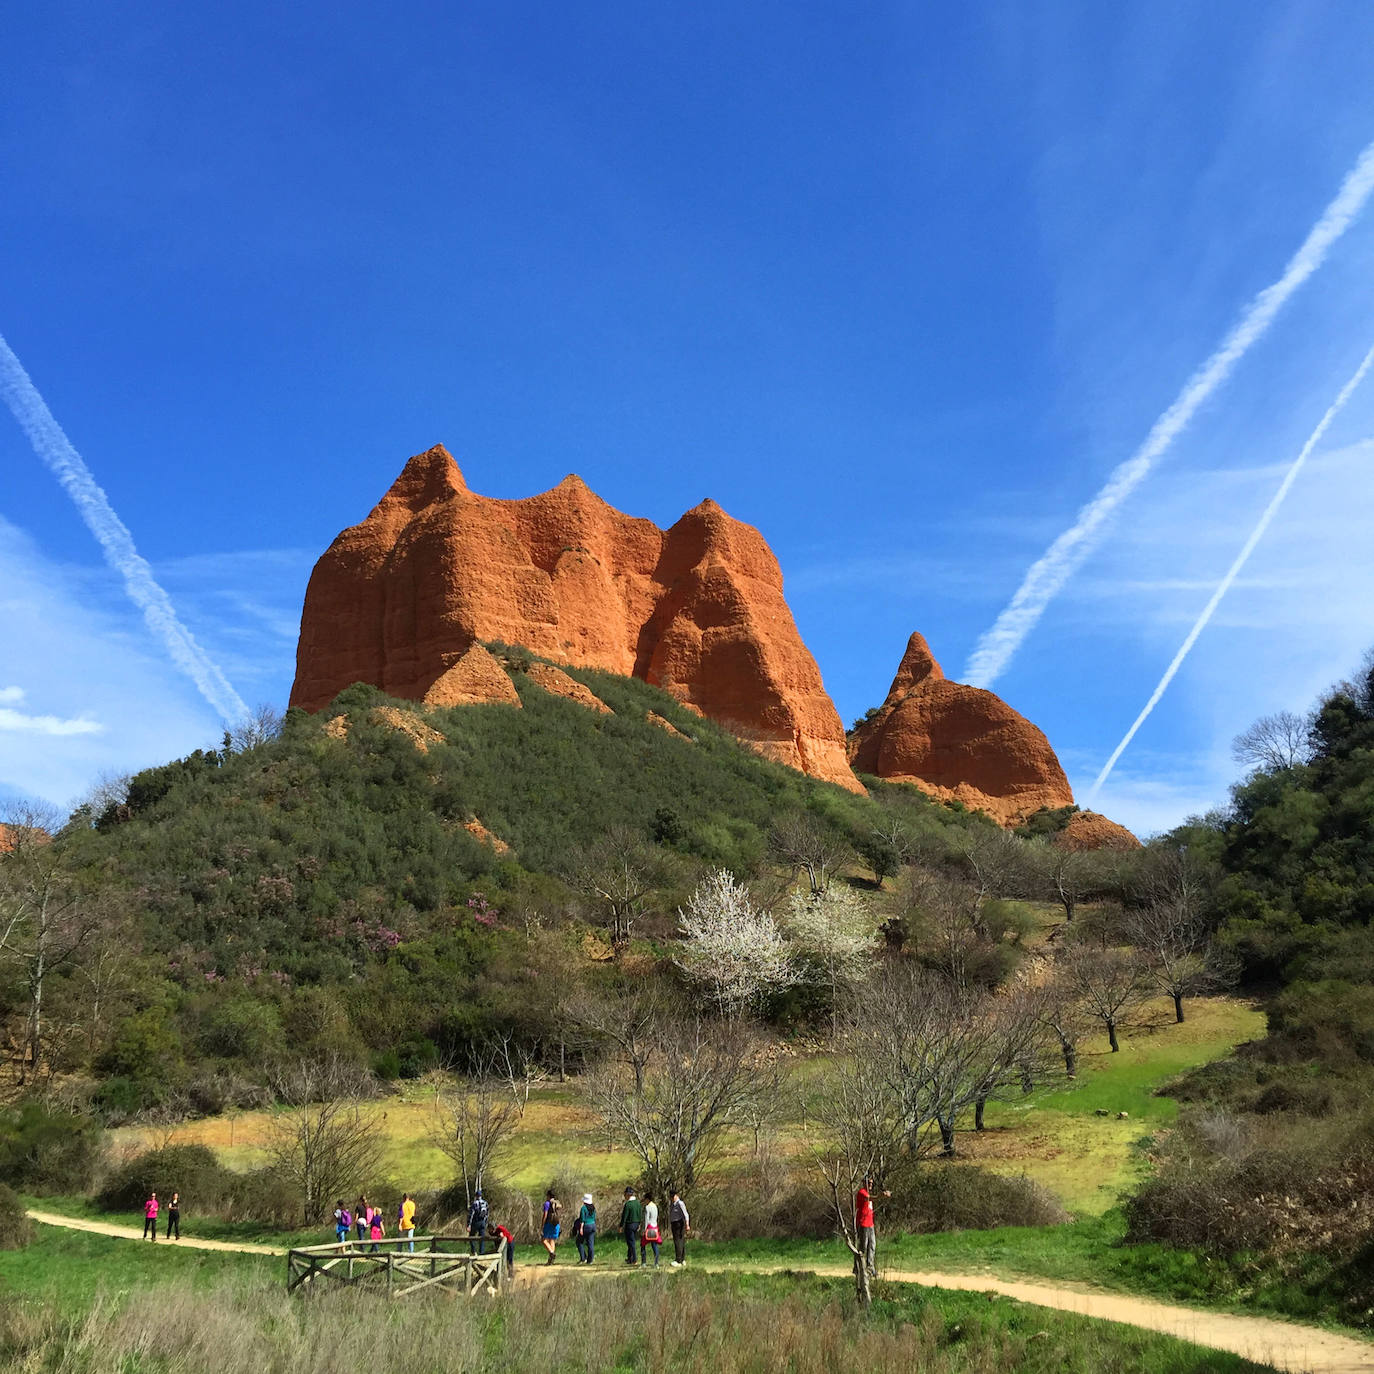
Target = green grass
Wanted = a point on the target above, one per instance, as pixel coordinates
(68, 1268)
(160, 1311)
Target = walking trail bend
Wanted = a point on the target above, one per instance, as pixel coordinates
(1284, 1345)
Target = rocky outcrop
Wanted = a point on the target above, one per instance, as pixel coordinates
(1089, 830)
(958, 743)
(557, 682)
(697, 609)
(474, 679)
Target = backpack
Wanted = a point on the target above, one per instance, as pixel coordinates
(345, 1218)
(479, 1213)
(555, 1210)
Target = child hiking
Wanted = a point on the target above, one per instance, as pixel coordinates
(553, 1226)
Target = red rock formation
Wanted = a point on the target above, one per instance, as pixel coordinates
(476, 677)
(1089, 830)
(556, 681)
(958, 743)
(697, 609)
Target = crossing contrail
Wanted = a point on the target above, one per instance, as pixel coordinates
(1233, 571)
(1062, 559)
(55, 449)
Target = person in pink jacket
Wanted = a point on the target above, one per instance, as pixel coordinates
(150, 1217)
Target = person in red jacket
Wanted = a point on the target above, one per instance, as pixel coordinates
(508, 1241)
(863, 1222)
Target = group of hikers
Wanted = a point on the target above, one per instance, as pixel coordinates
(173, 1224)
(638, 1225)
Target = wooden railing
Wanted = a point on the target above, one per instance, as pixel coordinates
(444, 1263)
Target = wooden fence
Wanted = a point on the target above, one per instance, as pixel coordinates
(440, 1263)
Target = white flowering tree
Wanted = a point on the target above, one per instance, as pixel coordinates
(731, 946)
(838, 933)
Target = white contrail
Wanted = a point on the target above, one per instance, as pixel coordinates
(55, 449)
(1061, 560)
(1233, 571)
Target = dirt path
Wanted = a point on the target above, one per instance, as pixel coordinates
(1284, 1345)
(106, 1228)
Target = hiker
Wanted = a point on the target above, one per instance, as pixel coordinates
(585, 1231)
(343, 1223)
(375, 1229)
(173, 1228)
(679, 1223)
(863, 1223)
(649, 1237)
(150, 1216)
(406, 1220)
(508, 1241)
(552, 1228)
(477, 1224)
(360, 1219)
(631, 1218)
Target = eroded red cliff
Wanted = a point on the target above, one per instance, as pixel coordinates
(697, 609)
(958, 743)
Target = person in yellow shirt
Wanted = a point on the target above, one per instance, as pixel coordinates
(407, 1219)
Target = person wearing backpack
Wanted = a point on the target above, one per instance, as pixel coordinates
(478, 1214)
(552, 1228)
(361, 1218)
(631, 1219)
(584, 1231)
(649, 1237)
(505, 1238)
(343, 1223)
(679, 1223)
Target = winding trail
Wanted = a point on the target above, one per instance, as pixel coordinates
(1284, 1345)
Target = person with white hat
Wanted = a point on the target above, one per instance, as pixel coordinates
(584, 1230)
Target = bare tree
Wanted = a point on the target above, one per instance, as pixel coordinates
(475, 1114)
(45, 917)
(836, 929)
(701, 1079)
(1061, 1009)
(730, 945)
(326, 1139)
(1066, 876)
(995, 861)
(939, 912)
(262, 725)
(804, 844)
(1177, 946)
(1108, 983)
(1275, 742)
(619, 872)
(627, 1025)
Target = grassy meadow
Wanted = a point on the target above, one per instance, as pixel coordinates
(1055, 1137)
(103, 1306)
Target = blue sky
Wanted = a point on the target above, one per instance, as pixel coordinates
(897, 284)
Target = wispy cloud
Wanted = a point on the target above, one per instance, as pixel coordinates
(1234, 570)
(56, 450)
(1048, 575)
(12, 719)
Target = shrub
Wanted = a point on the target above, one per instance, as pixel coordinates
(191, 1170)
(16, 1227)
(44, 1151)
(965, 1197)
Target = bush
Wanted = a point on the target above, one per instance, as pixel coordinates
(964, 1197)
(16, 1227)
(45, 1152)
(191, 1170)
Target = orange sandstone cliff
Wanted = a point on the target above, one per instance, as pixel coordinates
(697, 609)
(958, 743)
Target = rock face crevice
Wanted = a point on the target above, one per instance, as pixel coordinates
(698, 609)
(958, 743)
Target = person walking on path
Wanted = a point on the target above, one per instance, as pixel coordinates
(508, 1241)
(477, 1224)
(631, 1219)
(679, 1223)
(360, 1219)
(343, 1223)
(863, 1223)
(150, 1217)
(553, 1225)
(649, 1238)
(173, 1227)
(585, 1230)
(375, 1229)
(407, 1220)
